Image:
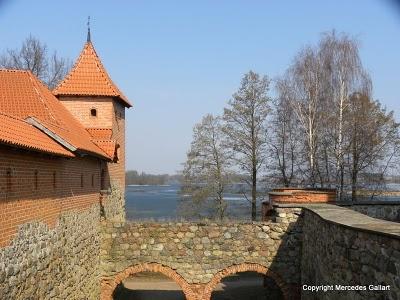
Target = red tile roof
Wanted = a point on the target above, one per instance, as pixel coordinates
(108, 146)
(88, 77)
(22, 96)
(18, 133)
(100, 133)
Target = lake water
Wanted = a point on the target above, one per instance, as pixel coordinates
(160, 202)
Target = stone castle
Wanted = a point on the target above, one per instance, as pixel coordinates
(63, 233)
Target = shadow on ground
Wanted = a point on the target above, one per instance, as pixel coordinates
(242, 286)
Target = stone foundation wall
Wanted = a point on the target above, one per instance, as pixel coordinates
(342, 247)
(197, 252)
(54, 263)
(113, 204)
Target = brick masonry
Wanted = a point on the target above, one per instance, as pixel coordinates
(80, 108)
(297, 195)
(35, 187)
(111, 115)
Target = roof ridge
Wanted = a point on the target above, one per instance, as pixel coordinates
(100, 66)
(35, 83)
(62, 82)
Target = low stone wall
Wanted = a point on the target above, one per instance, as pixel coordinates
(53, 263)
(348, 250)
(198, 252)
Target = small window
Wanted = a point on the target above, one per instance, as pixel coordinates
(81, 180)
(92, 180)
(93, 112)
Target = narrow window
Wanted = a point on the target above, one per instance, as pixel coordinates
(8, 179)
(93, 112)
(36, 179)
(81, 180)
(54, 180)
(117, 153)
(102, 180)
(92, 180)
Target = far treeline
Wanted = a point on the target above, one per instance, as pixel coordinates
(323, 129)
(133, 177)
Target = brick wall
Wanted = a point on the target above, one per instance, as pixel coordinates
(117, 170)
(110, 114)
(291, 195)
(35, 187)
(80, 108)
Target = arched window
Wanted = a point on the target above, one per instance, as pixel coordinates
(93, 112)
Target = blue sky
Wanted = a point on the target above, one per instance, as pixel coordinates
(178, 60)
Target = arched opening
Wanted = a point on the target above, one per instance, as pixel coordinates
(120, 287)
(246, 281)
(148, 286)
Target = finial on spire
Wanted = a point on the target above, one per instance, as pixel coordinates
(88, 29)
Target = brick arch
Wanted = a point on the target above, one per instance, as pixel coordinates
(245, 267)
(108, 285)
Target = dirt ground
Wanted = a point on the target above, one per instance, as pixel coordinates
(158, 287)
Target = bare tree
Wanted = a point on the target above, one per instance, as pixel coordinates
(344, 75)
(305, 77)
(33, 56)
(284, 139)
(205, 173)
(246, 126)
(373, 137)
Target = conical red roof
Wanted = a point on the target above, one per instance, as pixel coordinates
(88, 77)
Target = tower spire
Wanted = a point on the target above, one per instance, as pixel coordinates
(88, 30)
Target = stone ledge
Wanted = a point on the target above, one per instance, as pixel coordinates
(354, 220)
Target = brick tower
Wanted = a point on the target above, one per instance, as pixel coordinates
(93, 99)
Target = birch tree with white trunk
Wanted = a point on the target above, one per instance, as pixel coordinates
(305, 77)
(344, 75)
